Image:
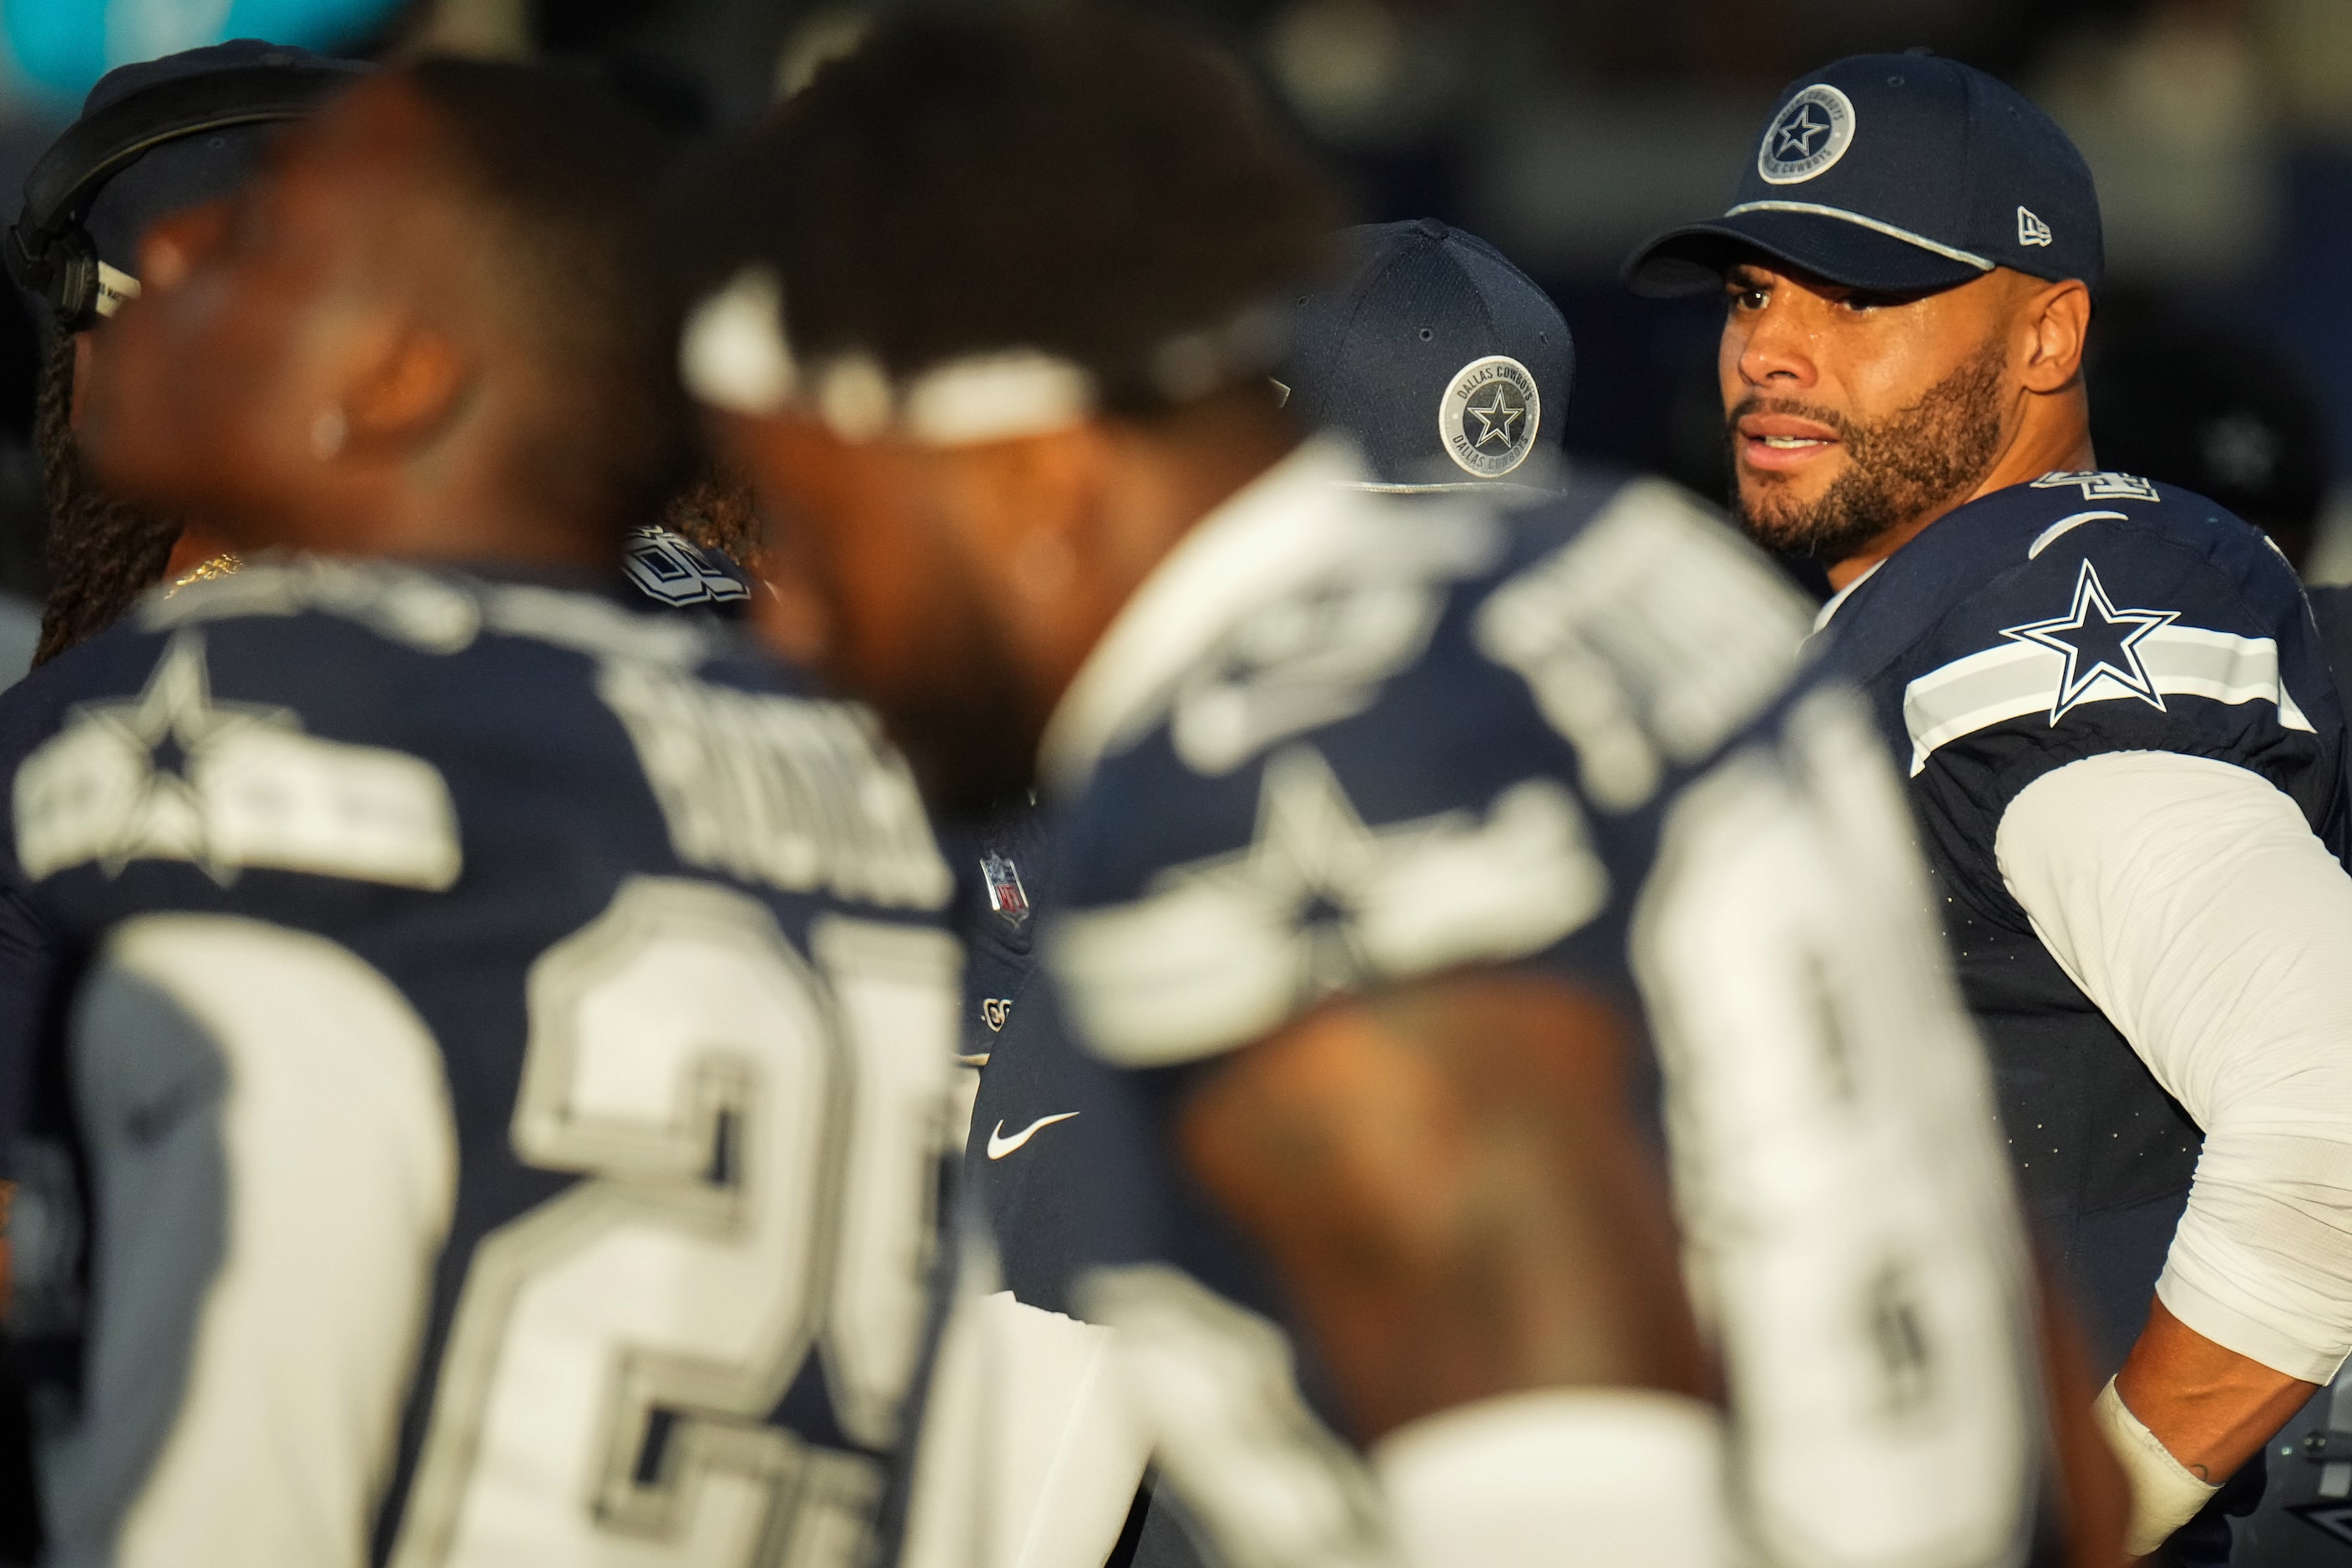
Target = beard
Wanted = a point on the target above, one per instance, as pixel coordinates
(1897, 468)
(970, 743)
(963, 723)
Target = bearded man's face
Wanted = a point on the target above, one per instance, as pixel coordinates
(1852, 414)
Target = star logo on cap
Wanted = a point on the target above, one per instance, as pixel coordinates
(1810, 134)
(1799, 134)
(1490, 414)
(1495, 419)
(2099, 641)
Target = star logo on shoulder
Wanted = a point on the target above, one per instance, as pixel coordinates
(173, 773)
(175, 724)
(1217, 951)
(2099, 641)
(1311, 868)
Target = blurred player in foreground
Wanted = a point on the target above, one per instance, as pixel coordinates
(508, 1064)
(1386, 833)
(2123, 746)
(1421, 325)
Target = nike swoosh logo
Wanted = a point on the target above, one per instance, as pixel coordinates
(999, 1145)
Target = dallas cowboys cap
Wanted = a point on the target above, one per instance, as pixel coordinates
(1445, 362)
(187, 171)
(1897, 172)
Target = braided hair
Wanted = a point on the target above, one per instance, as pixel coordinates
(102, 553)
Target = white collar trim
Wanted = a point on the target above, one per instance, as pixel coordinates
(1837, 600)
(1251, 549)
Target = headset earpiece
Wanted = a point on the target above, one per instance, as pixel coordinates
(49, 252)
(70, 266)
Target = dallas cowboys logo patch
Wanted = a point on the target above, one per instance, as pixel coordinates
(2100, 642)
(1807, 137)
(171, 774)
(1489, 416)
(1217, 951)
(2094, 653)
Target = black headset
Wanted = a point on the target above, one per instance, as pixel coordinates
(50, 253)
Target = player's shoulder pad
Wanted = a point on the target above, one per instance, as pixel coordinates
(155, 759)
(329, 718)
(2122, 608)
(1435, 772)
(1648, 631)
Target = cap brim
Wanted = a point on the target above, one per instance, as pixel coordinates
(1692, 260)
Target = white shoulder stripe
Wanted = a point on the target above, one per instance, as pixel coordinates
(2017, 678)
(2049, 535)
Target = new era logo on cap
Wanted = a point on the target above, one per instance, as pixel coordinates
(1896, 173)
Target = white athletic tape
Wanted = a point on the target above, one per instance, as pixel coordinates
(2165, 1496)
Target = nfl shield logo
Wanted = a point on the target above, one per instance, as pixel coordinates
(1005, 894)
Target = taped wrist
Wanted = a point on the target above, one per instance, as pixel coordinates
(1605, 1477)
(2165, 1495)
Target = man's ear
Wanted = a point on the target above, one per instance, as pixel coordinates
(2058, 317)
(406, 395)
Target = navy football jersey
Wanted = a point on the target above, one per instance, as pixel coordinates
(503, 1109)
(2082, 613)
(1340, 741)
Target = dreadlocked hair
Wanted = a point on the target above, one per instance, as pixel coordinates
(559, 170)
(717, 512)
(102, 553)
(1088, 184)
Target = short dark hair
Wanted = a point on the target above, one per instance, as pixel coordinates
(1090, 186)
(565, 170)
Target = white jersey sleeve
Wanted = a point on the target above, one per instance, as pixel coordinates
(2191, 902)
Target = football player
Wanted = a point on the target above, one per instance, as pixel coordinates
(2122, 744)
(500, 1112)
(1388, 831)
(152, 139)
(1420, 318)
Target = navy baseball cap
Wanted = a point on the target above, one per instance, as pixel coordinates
(1445, 362)
(1901, 174)
(187, 171)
